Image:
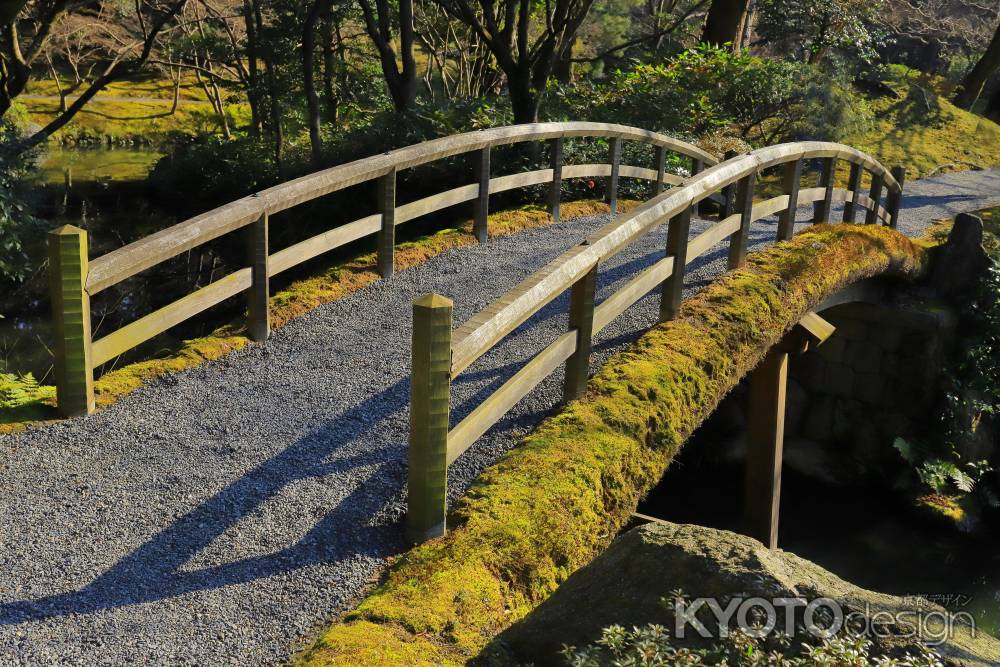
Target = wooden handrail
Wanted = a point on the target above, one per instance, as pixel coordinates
(255, 211)
(484, 330)
(125, 262)
(577, 269)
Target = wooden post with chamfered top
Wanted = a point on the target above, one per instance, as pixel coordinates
(555, 190)
(74, 373)
(581, 318)
(894, 199)
(615, 158)
(258, 311)
(387, 232)
(672, 290)
(854, 185)
(430, 399)
(790, 185)
(481, 204)
(875, 195)
(744, 204)
(822, 208)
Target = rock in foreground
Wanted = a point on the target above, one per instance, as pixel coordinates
(628, 584)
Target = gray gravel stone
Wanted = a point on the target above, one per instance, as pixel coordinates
(225, 514)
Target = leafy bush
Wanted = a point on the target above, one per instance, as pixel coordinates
(813, 29)
(650, 646)
(708, 90)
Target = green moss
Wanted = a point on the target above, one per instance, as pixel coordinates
(297, 299)
(922, 130)
(554, 502)
(943, 506)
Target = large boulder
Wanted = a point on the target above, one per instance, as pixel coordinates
(628, 584)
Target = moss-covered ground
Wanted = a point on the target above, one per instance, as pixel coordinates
(922, 130)
(37, 404)
(515, 539)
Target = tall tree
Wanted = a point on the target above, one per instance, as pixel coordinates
(401, 79)
(726, 23)
(975, 80)
(127, 59)
(317, 10)
(526, 54)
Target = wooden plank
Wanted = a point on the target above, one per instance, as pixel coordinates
(258, 308)
(677, 244)
(419, 207)
(744, 204)
(321, 243)
(766, 434)
(642, 284)
(581, 321)
(586, 170)
(481, 204)
(615, 159)
(160, 320)
(386, 244)
(555, 190)
(854, 185)
(817, 329)
(74, 365)
(430, 398)
(513, 390)
(524, 179)
(791, 182)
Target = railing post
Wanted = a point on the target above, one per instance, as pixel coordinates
(615, 158)
(581, 318)
(821, 209)
(854, 185)
(387, 233)
(430, 398)
(258, 312)
(74, 374)
(766, 435)
(728, 193)
(896, 198)
(661, 169)
(677, 245)
(875, 195)
(481, 204)
(555, 191)
(696, 166)
(791, 180)
(744, 204)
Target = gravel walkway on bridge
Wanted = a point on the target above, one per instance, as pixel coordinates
(224, 514)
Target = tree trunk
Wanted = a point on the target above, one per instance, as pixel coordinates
(725, 23)
(330, 65)
(975, 80)
(309, 79)
(523, 100)
(253, 78)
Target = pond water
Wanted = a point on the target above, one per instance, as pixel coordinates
(98, 189)
(96, 165)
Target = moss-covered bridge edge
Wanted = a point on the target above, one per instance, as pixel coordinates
(555, 501)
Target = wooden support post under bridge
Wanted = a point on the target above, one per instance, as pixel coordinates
(766, 432)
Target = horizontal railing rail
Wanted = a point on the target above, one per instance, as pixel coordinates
(440, 354)
(75, 279)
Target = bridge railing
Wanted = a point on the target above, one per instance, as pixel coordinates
(440, 354)
(74, 279)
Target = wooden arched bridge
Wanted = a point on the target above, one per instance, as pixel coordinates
(439, 353)
(231, 489)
